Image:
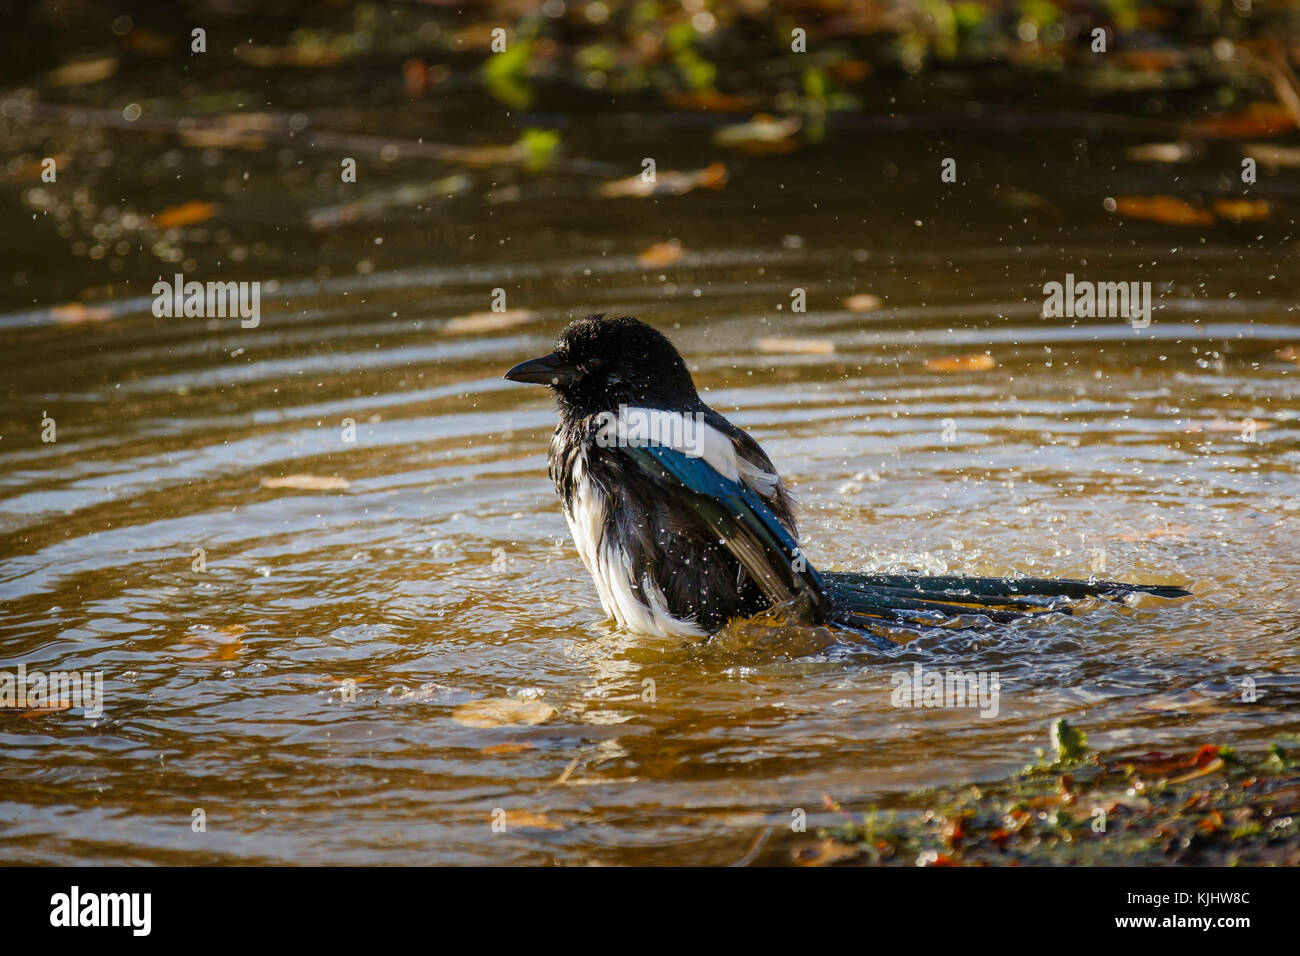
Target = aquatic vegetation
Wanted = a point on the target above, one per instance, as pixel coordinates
(1212, 806)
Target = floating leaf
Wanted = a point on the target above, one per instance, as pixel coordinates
(784, 345)
(1260, 119)
(538, 147)
(1161, 152)
(1271, 155)
(961, 363)
(762, 134)
(74, 313)
(1242, 210)
(508, 748)
(526, 820)
(377, 205)
(1169, 210)
(82, 72)
(488, 321)
(307, 482)
(862, 302)
(710, 101)
(660, 254)
(502, 712)
(186, 214)
(666, 183)
(224, 644)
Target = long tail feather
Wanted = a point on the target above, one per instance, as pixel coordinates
(864, 599)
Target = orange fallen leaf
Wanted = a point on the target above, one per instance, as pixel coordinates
(783, 345)
(660, 254)
(1242, 210)
(961, 363)
(1260, 119)
(1209, 768)
(306, 482)
(1169, 210)
(186, 214)
(862, 302)
(666, 183)
(224, 642)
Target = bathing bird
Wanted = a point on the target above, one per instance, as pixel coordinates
(685, 524)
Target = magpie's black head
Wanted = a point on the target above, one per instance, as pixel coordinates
(599, 364)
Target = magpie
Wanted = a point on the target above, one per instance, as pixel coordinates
(685, 524)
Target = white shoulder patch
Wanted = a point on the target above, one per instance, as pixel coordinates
(691, 435)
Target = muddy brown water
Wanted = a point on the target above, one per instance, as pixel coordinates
(442, 574)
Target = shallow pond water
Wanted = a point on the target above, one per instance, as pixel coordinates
(442, 572)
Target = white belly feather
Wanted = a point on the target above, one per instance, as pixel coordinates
(642, 609)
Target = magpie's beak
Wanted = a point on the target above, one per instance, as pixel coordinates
(547, 370)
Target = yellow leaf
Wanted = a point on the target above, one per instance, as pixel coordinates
(502, 712)
(961, 363)
(186, 214)
(1242, 210)
(1169, 210)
